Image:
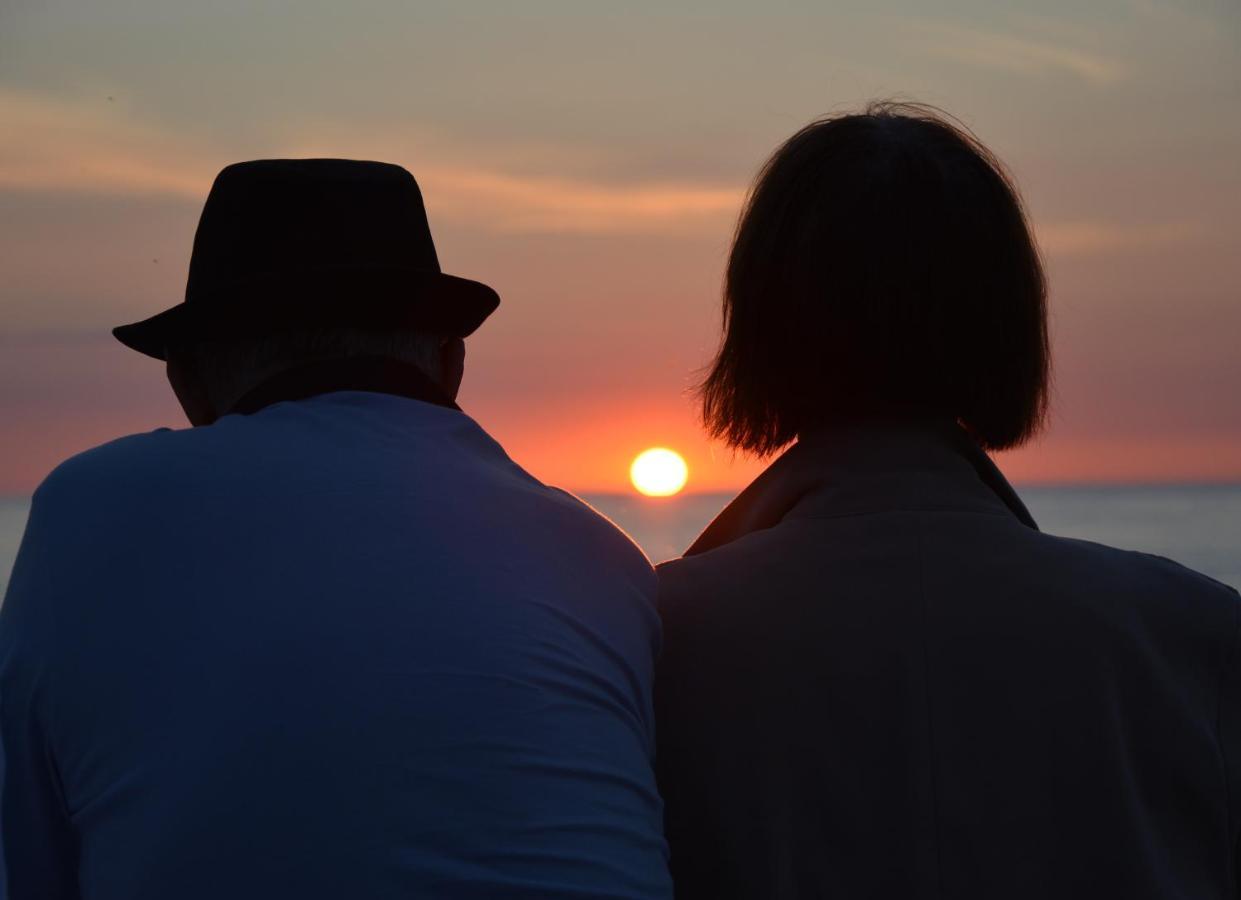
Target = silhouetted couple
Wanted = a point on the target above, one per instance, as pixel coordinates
(333, 642)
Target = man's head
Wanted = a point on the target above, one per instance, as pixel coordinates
(209, 377)
(302, 261)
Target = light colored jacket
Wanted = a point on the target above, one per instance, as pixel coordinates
(880, 679)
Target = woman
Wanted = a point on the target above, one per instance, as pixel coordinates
(879, 678)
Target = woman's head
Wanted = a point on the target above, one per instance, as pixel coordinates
(882, 266)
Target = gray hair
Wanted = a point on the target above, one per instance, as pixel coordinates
(230, 368)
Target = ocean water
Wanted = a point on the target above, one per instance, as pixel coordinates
(1197, 525)
(13, 511)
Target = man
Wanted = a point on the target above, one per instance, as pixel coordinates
(331, 642)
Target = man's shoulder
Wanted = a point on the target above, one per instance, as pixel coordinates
(599, 534)
(113, 464)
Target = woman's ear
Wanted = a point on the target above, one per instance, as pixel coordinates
(452, 365)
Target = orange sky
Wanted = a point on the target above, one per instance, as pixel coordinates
(590, 165)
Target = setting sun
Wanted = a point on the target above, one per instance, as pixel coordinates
(659, 472)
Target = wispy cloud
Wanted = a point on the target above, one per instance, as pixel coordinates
(1016, 53)
(524, 203)
(92, 145)
(1085, 238)
(95, 146)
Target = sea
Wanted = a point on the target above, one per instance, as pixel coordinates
(1198, 525)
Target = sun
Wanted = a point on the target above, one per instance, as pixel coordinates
(658, 472)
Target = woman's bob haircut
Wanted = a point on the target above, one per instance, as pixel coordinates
(882, 267)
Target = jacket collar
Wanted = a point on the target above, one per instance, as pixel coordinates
(375, 374)
(872, 467)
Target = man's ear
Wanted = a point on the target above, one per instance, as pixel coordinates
(189, 390)
(452, 365)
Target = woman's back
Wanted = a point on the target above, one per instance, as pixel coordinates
(879, 679)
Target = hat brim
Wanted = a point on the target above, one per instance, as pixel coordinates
(381, 299)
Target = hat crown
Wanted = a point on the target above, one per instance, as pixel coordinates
(268, 218)
(295, 244)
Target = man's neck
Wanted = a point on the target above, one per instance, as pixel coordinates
(374, 374)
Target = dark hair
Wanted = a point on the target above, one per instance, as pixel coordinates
(882, 264)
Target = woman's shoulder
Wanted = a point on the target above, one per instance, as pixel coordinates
(734, 574)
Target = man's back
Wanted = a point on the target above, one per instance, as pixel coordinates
(341, 647)
(901, 690)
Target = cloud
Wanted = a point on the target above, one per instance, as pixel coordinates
(1012, 53)
(94, 146)
(1096, 238)
(523, 204)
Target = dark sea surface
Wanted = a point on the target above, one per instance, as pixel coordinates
(1197, 525)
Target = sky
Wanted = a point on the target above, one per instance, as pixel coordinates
(589, 160)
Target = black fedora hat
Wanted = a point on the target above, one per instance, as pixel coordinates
(292, 244)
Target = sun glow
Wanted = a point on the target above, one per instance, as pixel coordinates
(658, 472)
